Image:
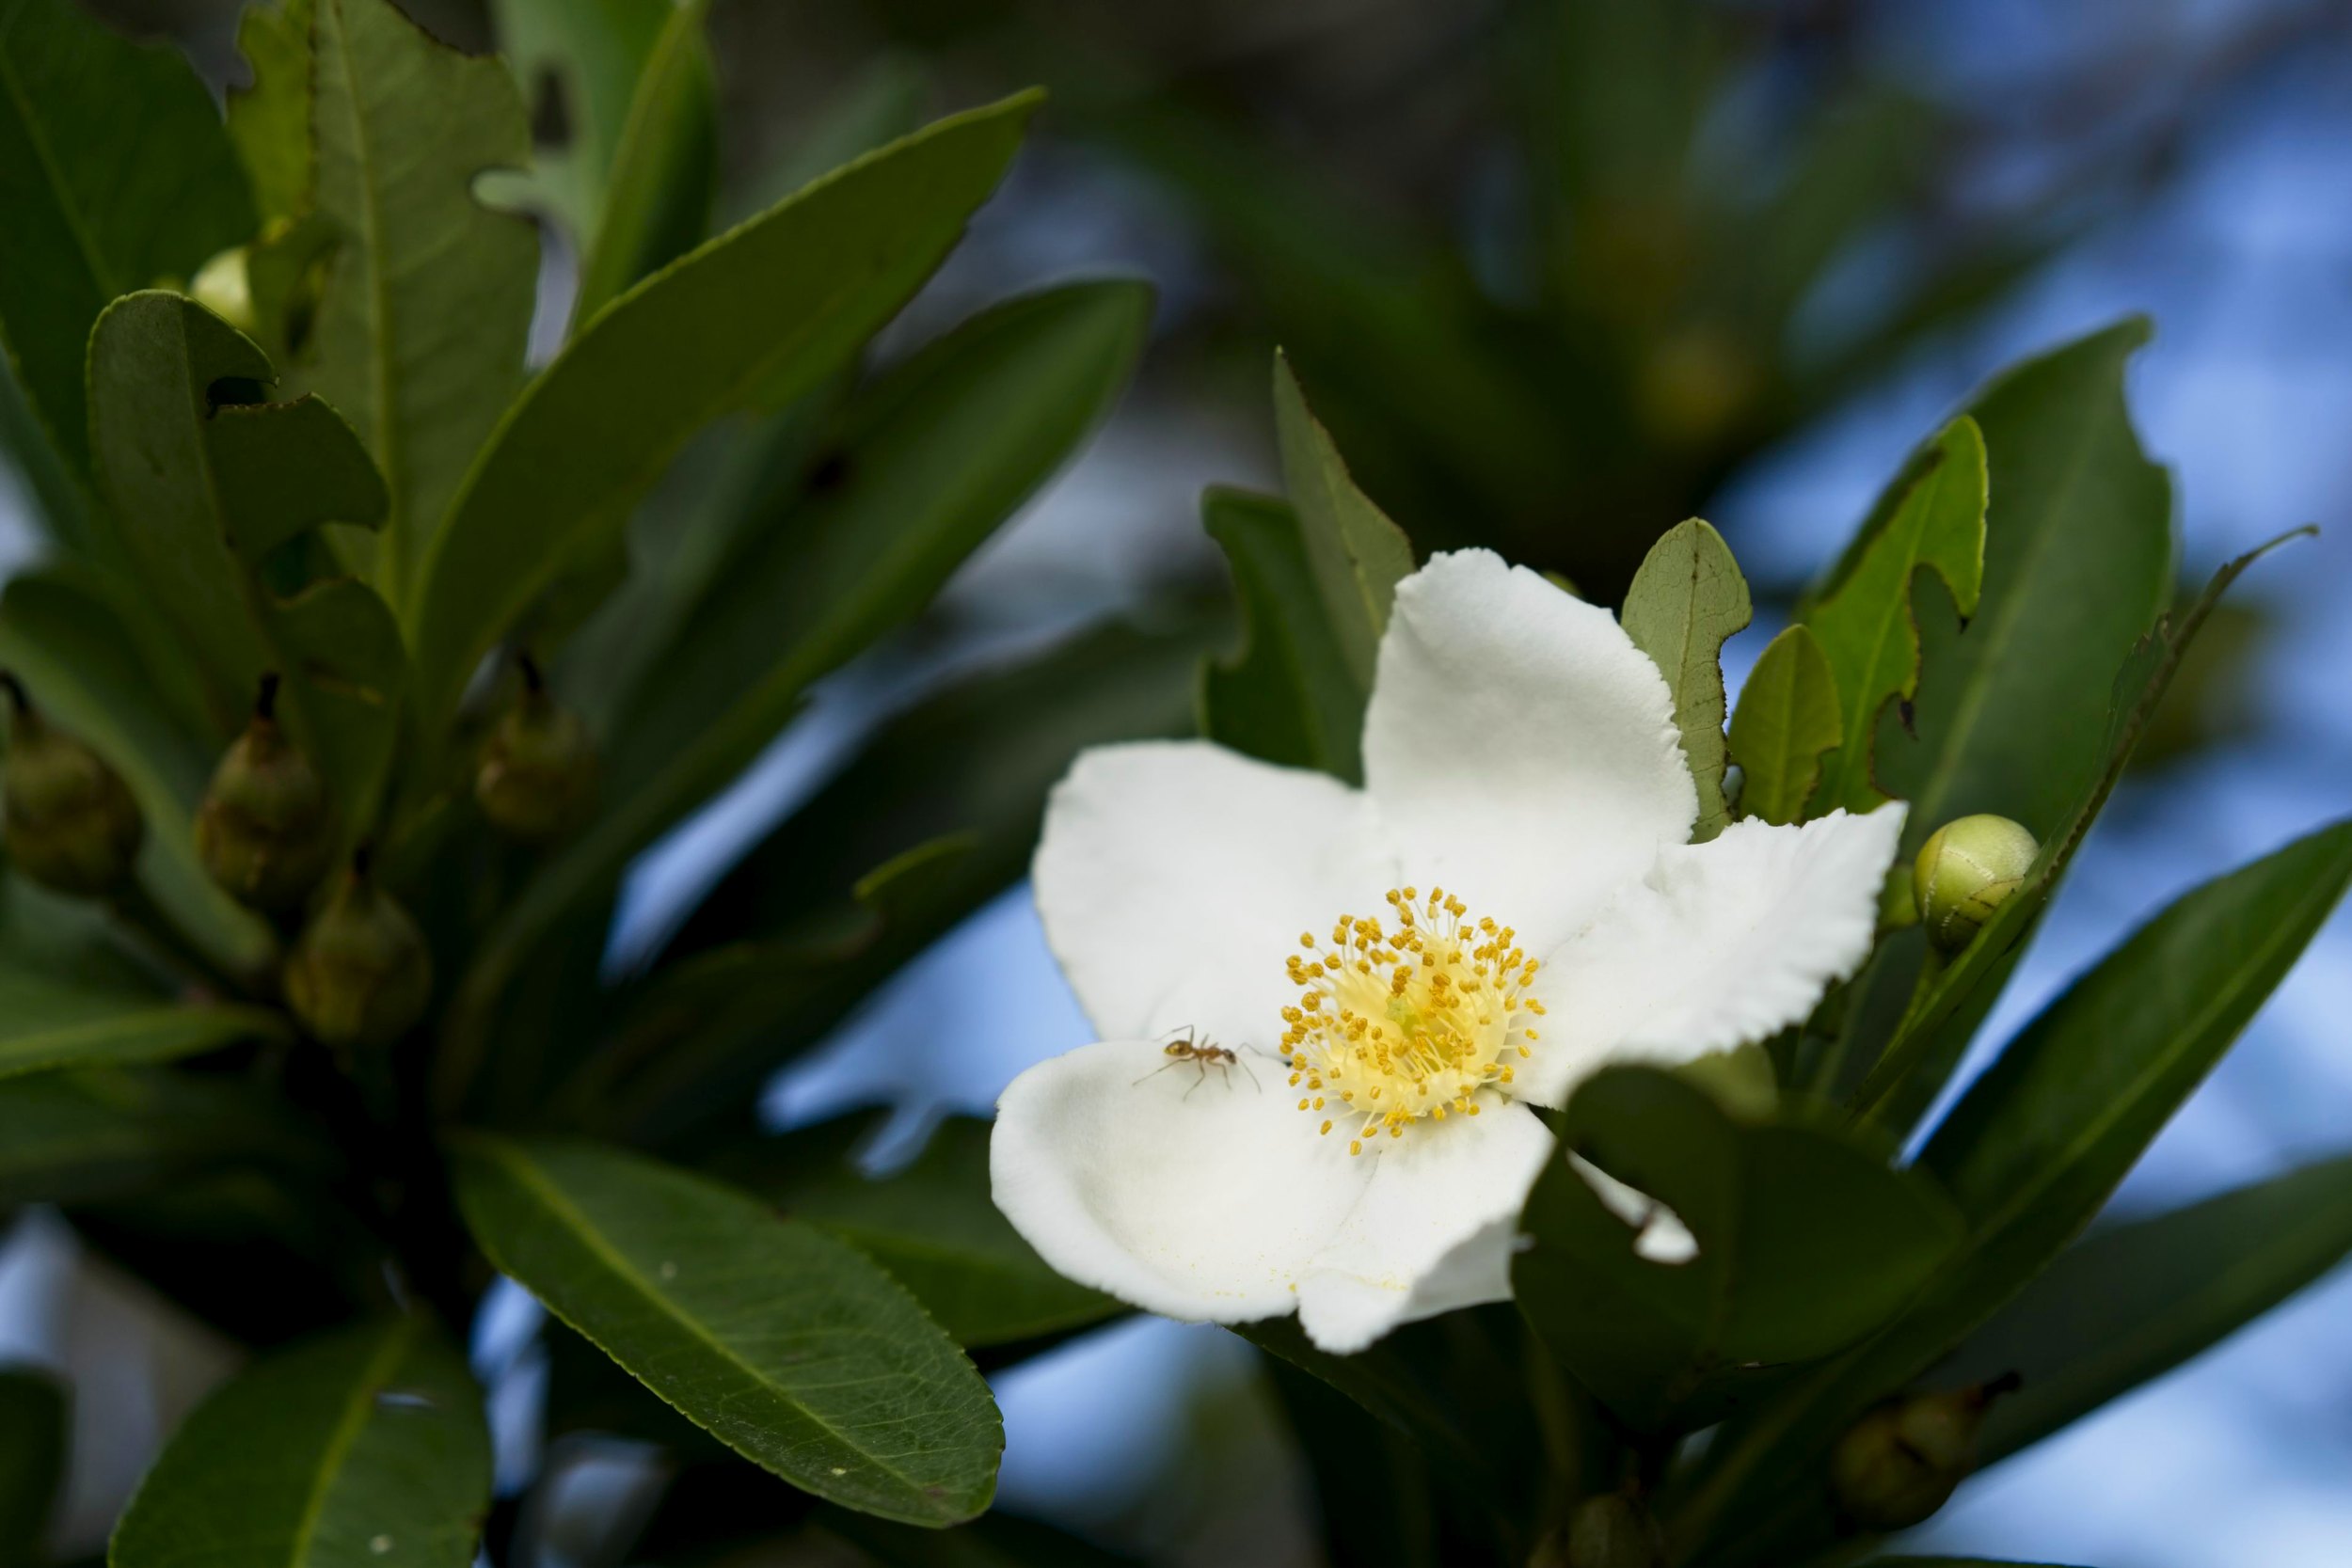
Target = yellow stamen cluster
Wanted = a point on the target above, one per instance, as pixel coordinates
(1406, 1019)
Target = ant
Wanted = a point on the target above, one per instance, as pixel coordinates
(1204, 1053)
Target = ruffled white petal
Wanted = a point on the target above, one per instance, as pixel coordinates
(1174, 878)
(1520, 748)
(1723, 943)
(1206, 1200)
(1432, 1228)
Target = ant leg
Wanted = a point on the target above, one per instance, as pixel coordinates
(1197, 1082)
(1253, 1077)
(1157, 1070)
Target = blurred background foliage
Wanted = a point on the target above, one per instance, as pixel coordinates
(1557, 274)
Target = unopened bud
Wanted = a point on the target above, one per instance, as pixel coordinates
(1966, 870)
(1903, 1458)
(538, 774)
(224, 287)
(359, 973)
(68, 819)
(265, 831)
(1614, 1531)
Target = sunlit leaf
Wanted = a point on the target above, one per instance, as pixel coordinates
(419, 340)
(1687, 600)
(1867, 625)
(658, 194)
(269, 118)
(1787, 721)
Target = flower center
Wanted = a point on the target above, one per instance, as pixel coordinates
(1406, 1019)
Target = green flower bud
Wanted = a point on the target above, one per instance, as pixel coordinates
(359, 973)
(66, 819)
(1966, 870)
(265, 831)
(1614, 1531)
(1903, 1458)
(538, 774)
(224, 287)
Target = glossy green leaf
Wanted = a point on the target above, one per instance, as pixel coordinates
(785, 1344)
(364, 1446)
(935, 1229)
(1787, 720)
(419, 339)
(2037, 1143)
(269, 118)
(1358, 555)
(778, 303)
(66, 642)
(2133, 1301)
(206, 485)
(2078, 562)
(79, 1136)
(1867, 627)
(932, 458)
(1687, 600)
(1941, 1016)
(658, 194)
(45, 1023)
(114, 173)
(1806, 1243)
(1287, 696)
(34, 1438)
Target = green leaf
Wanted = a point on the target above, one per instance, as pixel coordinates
(34, 1436)
(420, 326)
(2133, 1301)
(2079, 563)
(1787, 721)
(64, 639)
(1806, 1243)
(365, 1446)
(204, 491)
(934, 1227)
(2037, 1143)
(269, 119)
(1287, 696)
(45, 1023)
(80, 1136)
(784, 1343)
(1867, 626)
(882, 103)
(770, 307)
(1945, 1012)
(114, 173)
(658, 194)
(1358, 555)
(932, 458)
(1687, 600)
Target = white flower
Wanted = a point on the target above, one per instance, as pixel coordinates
(1400, 971)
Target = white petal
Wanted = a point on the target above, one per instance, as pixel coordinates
(1662, 1238)
(1520, 748)
(1433, 1230)
(1202, 1197)
(1174, 878)
(1724, 943)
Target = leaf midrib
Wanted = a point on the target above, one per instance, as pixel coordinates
(528, 1174)
(346, 1434)
(385, 446)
